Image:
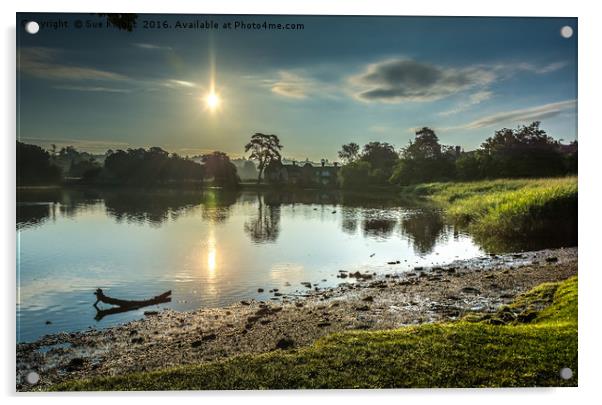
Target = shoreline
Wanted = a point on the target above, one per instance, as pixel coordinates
(381, 302)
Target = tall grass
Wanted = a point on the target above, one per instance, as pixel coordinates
(523, 208)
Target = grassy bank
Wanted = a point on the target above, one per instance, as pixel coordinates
(507, 209)
(505, 349)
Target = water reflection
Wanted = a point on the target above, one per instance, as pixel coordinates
(264, 227)
(210, 247)
(424, 228)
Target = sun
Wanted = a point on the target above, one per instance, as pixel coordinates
(212, 101)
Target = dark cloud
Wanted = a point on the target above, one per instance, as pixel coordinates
(407, 80)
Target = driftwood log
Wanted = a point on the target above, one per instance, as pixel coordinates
(125, 305)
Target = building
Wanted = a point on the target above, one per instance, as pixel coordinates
(306, 175)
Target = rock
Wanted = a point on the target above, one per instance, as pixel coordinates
(245, 303)
(369, 298)
(418, 268)
(260, 290)
(75, 364)
(392, 262)
(470, 290)
(362, 308)
(342, 275)
(151, 313)
(306, 284)
(285, 343)
(551, 259)
(48, 323)
(277, 294)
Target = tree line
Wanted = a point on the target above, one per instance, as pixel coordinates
(526, 151)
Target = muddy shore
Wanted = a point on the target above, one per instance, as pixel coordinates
(369, 302)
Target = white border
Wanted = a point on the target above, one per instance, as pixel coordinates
(590, 133)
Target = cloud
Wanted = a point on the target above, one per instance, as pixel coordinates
(511, 68)
(152, 47)
(93, 89)
(175, 83)
(42, 63)
(292, 85)
(397, 80)
(523, 115)
(472, 99)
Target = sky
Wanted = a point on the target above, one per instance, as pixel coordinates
(332, 81)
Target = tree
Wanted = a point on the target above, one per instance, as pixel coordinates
(219, 166)
(140, 166)
(382, 158)
(264, 149)
(424, 159)
(349, 152)
(526, 151)
(356, 175)
(34, 166)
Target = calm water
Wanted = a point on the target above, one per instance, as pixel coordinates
(211, 248)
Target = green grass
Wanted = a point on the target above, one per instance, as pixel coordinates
(459, 354)
(508, 209)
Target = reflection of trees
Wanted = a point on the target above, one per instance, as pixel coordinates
(350, 222)
(265, 227)
(35, 206)
(217, 204)
(155, 207)
(424, 227)
(378, 227)
(32, 214)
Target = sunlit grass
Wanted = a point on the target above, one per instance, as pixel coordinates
(459, 354)
(506, 208)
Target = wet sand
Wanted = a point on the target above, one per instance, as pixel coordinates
(363, 301)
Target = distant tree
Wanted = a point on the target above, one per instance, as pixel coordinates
(382, 158)
(34, 166)
(219, 166)
(526, 151)
(264, 149)
(424, 159)
(349, 152)
(356, 175)
(152, 166)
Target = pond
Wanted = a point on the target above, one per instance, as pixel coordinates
(211, 248)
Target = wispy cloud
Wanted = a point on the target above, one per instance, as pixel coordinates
(100, 89)
(292, 85)
(471, 100)
(45, 63)
(523, 115)
(152, 47)
(175, 83)
(299, 85)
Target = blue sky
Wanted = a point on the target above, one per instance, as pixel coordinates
(337, 80)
